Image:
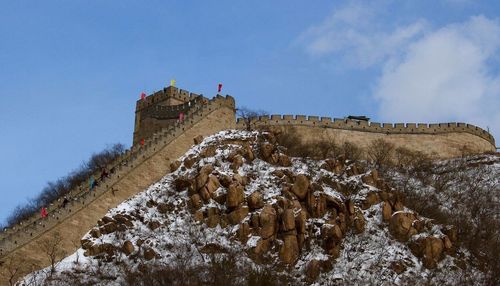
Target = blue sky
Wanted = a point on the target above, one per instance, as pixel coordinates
(70, 71)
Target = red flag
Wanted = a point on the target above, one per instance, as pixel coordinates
(220, 87)
(142, 142)
(143, 96)
(44, 213)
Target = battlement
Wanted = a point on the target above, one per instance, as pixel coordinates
(162, 109)
(365, 126)
(174, 94)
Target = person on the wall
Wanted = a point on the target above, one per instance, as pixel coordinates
(92, 183)
(181, 117)
(43, 212)
(142, 142)
(65, 202)
(104, 174)
(219, 88)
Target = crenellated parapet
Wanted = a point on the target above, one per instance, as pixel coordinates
(162, 109)
(365, 126)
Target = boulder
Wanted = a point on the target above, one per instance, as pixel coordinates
(174, 166)
(212, 184)
(202, 177)
(195, 201)
(208, 151)
(267, 219)
(128, 247)
(189, 161)
(300, 186)
(213, 217)
(262, 246)
(301, 222)
(198, 139)
(181, 183)
(237, 162)
(371, 199)
(317, 205)
(108, 228)
(248, 153)
(243, 232)
(336, 203)
(288, 219)
(255, 200)
(401, 225)
(237, 215)
(331, 232)
(313, 269)
(153, 224)
(235, 195)
(284, 160)
(289, 252)
(429, 248)
(149, 254)
(225, 181)
(265, 150)
(359, 222)
(386, 211)
(95, 233)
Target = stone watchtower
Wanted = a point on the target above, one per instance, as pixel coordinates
(162, 109)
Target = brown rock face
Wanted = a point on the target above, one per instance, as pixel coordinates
(202, 177)
(301, 186)
(289, 252)
(266, 150)
(108, 228)
(174, 166)
(284, 160)
(149, 254)
(255, 200)
(248, 153)
(359, 222)
(235, 195)
(237, 215)
(371, 199)
(288, 220)
(154, 224)
(127, 247)
(237, 162)
(182, 183)
(300, 222)
(198, 139)
(313, 269)
(243, 232)
(316, 205)
(401, 225)
(196, 201)
(95, 233)
(267, 221)
(213, 217)
(386, 211)
(212, 184)
(429, 248)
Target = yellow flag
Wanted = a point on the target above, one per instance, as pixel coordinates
(172, 82)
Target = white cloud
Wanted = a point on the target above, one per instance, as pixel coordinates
(427, 74)
(352, 33)
(445, 76)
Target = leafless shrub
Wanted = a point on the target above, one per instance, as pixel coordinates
(248, 115)
(52, 248)
(381, 152)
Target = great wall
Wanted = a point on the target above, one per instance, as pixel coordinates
(167, 138)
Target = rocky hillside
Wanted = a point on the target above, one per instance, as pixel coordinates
(237, 210)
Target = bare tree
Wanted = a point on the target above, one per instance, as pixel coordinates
(13, 266)
(381, 152)
(248, 115)
(52, 247)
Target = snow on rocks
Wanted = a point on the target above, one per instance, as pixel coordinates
(324, 221)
